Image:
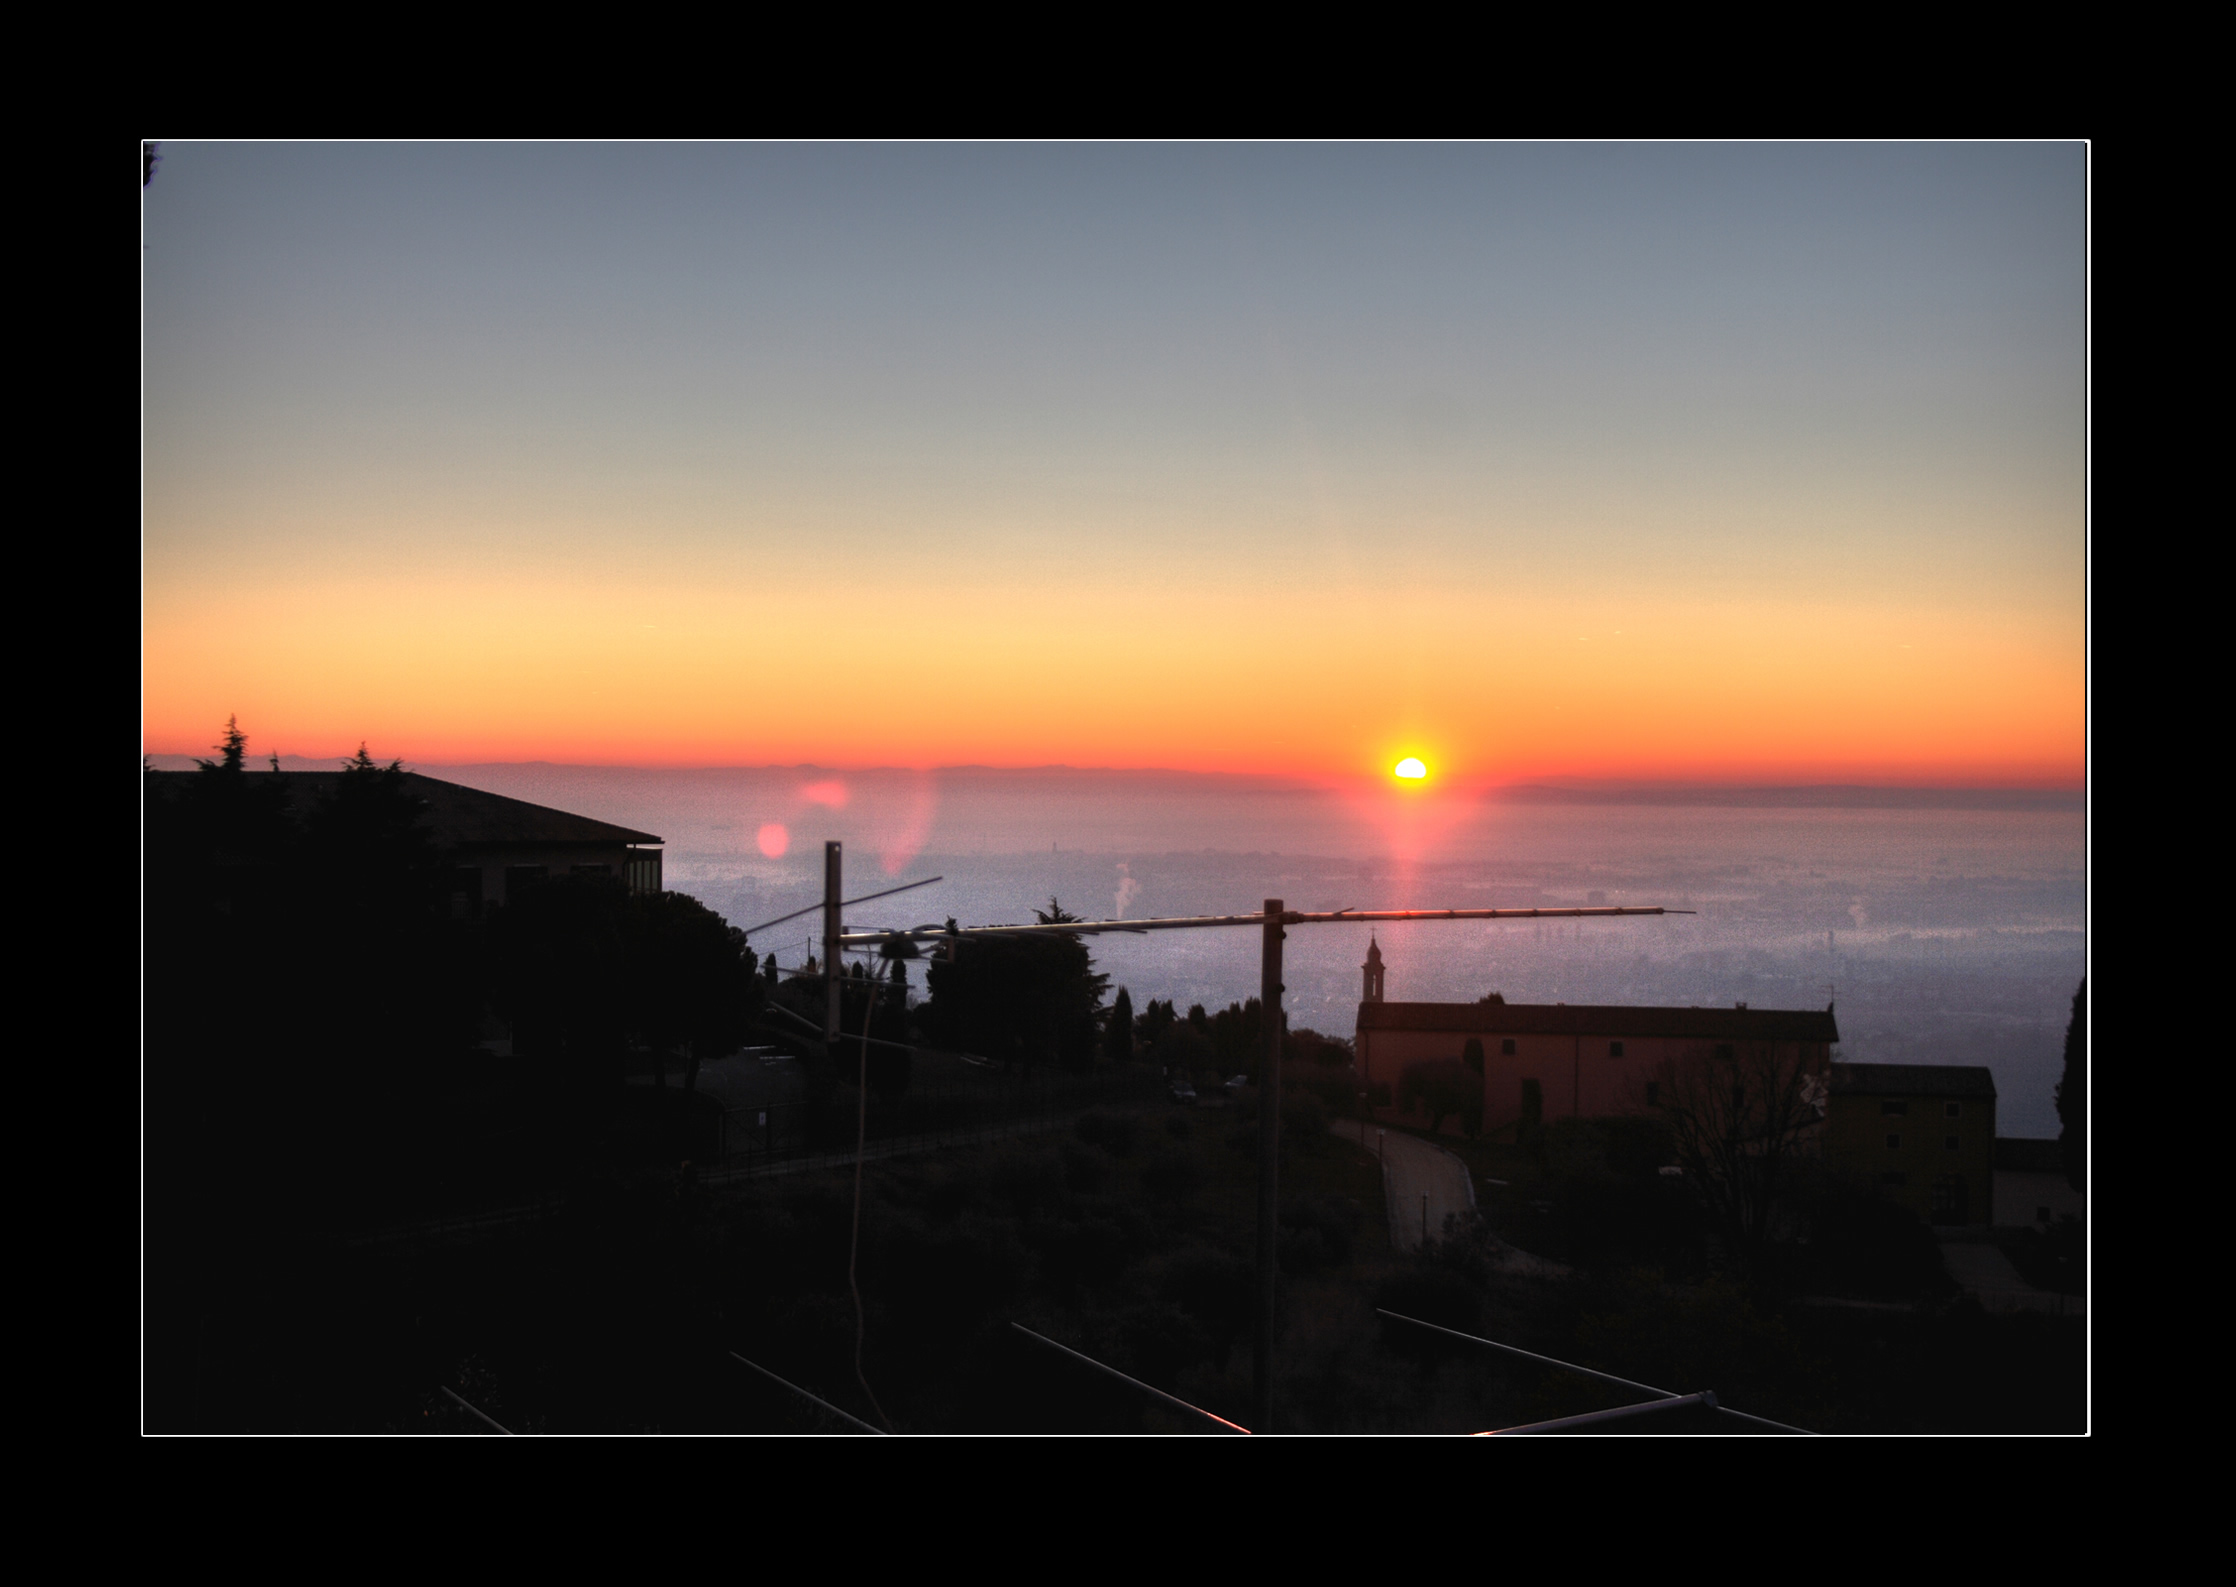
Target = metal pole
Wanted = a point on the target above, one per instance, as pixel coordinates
(820, 1404)
(1570, 1366)
(478, 1413)
(1706, 1397)
(1169, 1399)
(1269, 1164)
(831, 939)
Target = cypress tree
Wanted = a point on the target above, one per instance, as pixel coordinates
(1118, 1036)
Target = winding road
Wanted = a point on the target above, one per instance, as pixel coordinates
(1423, 1185)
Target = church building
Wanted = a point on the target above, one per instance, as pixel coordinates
(1547, 1060)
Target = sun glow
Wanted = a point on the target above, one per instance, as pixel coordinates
(1410, 768)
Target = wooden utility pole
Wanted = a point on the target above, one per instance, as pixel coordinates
(1269, 1163)
(831, 940)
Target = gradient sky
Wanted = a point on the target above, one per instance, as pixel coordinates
(1718, 462)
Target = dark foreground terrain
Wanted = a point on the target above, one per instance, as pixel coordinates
(1127, 1235)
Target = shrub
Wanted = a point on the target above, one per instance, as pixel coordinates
(1172, 1176)
(1333, 1088)
(1115, 1133)
(1029, 1181)
(1084, 1168)
(1317, 1232)
(1864, 1245)
(1218, 1290)
(1443, 1086)
(1304, 1123)
(1434, 1294)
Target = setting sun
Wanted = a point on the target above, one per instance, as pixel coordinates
(1411, 767)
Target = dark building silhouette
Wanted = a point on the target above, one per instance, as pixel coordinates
(493, 845)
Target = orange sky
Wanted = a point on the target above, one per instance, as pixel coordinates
(1699, 691)
(1712, 463)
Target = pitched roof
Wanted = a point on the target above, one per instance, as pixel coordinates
(1913, 1080)
(1589, 1019)
(462, 817)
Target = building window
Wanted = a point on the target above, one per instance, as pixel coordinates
(1894, 1110)
(2041, 1215)
(1653, 1093)
(1894, 1179)
(1948, 1143)
(1614, 1049)
(1952, 1110)
(591, 870)
(1506, 1047)
(1723, 1051)
(1894, 1143)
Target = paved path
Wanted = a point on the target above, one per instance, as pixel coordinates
(1413, 1169)
(1987, 1274)
(1423, 1185)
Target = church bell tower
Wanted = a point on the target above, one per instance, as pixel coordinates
(1372, 971)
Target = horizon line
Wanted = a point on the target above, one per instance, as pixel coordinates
(1554, 786)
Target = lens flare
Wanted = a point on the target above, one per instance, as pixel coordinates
(1411, 767)
(774, 840)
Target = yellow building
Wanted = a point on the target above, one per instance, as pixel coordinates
(1922, 1135)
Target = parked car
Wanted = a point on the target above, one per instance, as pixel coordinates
(1235, 1087)
(1183, 1092)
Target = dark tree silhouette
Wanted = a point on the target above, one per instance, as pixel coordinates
(233, 749)
(1154, 1020)
(1238, 1036)
(1443, 1087)
(1118, 1033)
(2072, 1093)
(1740, 1118)
(582, 967)
(1021, 1000)
(689, 981)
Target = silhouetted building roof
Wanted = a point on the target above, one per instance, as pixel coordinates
(1589, 1019)
(462, 817)
(1912, 1080)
